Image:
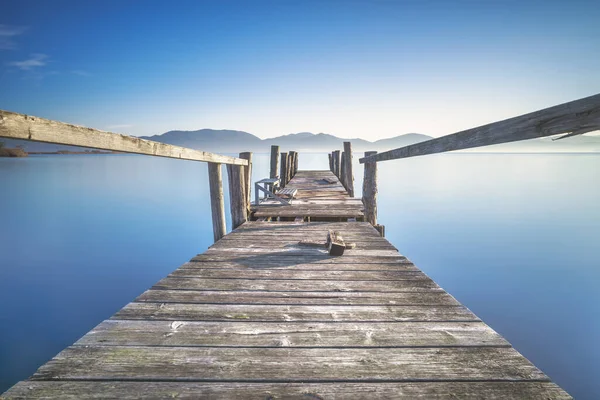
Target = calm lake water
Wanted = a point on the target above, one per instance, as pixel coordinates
(514, 237)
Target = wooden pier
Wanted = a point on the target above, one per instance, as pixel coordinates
(261, 314)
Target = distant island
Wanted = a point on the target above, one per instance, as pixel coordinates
(232, 141)
(16, 152)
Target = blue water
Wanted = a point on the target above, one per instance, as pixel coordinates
(513, 237)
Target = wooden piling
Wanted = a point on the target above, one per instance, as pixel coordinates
(330, 156)
(274, 162)
(247, 179)
(296, 163)
(348, 175)
(289, 165)
(343, 170)
(237, 195)
(336, 163)
(369, 197)
(217, 202)
(292, 162)
(283, 170)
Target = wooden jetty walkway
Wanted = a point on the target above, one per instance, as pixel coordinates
(261, 314)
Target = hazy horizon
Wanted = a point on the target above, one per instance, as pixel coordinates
(355, 69)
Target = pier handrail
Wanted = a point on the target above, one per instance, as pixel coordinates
(27, 127)
(572, 118)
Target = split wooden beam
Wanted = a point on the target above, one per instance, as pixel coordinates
(217, 202)
(575, 117)
(26, 127)
(237, 195)
(336, 163)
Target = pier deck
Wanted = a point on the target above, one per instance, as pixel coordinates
(317, 199)
(260, 316)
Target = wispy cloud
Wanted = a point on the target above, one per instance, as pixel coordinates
(34, 61)
(119, 126)
(7, 35)
(80, 72)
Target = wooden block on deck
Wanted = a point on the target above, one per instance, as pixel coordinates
(335, 243)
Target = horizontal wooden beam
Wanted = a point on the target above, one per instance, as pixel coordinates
(579, 116)
(26, 127)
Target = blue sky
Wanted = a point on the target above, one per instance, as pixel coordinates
(349, 68)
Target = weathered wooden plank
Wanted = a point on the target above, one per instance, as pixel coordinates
(346, 226)
(433, 297)
(292, 245)
(287, 364)
(312, 334)
(292, 259)
(75, 390)
(316, 266)
(370, 190)
(410, 285)
(27, 127)
(297, 251)
(308, 313)
(266, 273)
(316, 212)
(217, 202)
(580, 116)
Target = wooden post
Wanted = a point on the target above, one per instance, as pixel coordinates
(296, 163)
(336, 163)
(330, 156)
(237, 195)
(274, 162)
(348, 175)
(369, 198)
(217, 202)
(292, 163)
(283, 169)
(289, 168)
(247, 180)
(343, 169)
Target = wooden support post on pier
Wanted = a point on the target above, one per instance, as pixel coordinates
(296, 163)
(237, 195)
(289, 167)
(369, 197)
(283, 170)
(330, 156)
(292, 163)
(336, 163)
(247, 180)
(348, 175)
(274, 162)
(217, 202)
(342, 174)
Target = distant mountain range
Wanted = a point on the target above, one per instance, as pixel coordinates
(231, 141)
(236, 141)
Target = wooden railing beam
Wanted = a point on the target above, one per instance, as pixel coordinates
(26, 127)
(579, 116)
